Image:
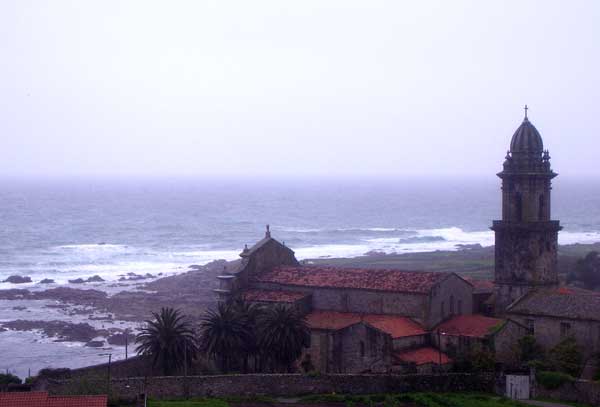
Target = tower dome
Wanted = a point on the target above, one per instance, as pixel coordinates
(526, 139)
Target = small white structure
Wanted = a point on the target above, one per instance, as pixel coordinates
(517, 387)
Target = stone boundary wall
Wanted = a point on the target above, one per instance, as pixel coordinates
(273, 385)
(580, 391)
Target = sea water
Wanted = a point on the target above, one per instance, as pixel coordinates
(68, 229)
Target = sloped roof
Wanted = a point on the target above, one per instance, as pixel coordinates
(41, 399)
(77, 401)
(26, 399)
(395, 326)
(272, 296)
(564, 302)
(481, 286)
(370, 279)
(422, 356)
(478, 326)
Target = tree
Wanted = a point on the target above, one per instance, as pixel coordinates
(250, 315)
(8, 378)
(587, 270)
(566, 357)
(528, 350)
(283, 334)
(225, 335)
(168, 339)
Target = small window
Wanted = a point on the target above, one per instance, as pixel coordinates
(530, 325)
(451, 305)
(459, 307)
(565, 329)
(443, 309)
(362, 349)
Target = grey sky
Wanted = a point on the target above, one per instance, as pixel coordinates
(294, 87)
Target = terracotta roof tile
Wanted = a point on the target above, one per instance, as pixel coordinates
(564, 302)
(396, 326)
(370, 279)
(481, 286)
(41, 399)
(77, 401)
(475, 325)
(422, 356)
(26, 399)
(273, 296)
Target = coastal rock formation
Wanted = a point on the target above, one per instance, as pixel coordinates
(17, 279)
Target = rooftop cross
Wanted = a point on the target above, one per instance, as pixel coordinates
(526, 109)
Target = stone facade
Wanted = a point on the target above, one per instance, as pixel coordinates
(526, 237)
(549, 331)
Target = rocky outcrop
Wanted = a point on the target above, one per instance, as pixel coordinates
(17, 279)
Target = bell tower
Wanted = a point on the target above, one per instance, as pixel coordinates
(526, 237)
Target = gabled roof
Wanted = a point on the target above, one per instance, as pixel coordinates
(475, 325)
(564, 302)
(369, 279)
(395, 326)
(422, 356)
(42, 399)
(272, 296)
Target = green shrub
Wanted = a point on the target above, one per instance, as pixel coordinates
(553, 380)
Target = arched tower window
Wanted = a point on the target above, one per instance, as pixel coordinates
(541, 207)
(519, 207)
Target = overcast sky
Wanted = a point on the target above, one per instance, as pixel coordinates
(306, 88)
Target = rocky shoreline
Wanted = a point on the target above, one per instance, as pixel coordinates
(192, 291)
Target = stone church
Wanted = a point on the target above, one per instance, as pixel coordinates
(375, 320)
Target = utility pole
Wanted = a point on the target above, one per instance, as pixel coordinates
(108, 372)
(440, 350)
(126, 342)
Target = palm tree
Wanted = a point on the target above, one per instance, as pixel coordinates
(250, 315)
(283, 335)
(169, 339)
(225, 335)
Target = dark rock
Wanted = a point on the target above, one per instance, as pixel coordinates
(64, 331)
(17, 279)
(94, 279)
(14, 294)
(19, 308)
(95, 344)
(47, 281)
(77, 281)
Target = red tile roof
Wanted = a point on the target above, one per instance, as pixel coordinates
(475, 325)
(396, 326)
(77, 401)
(26, 399)
(422, 356)
(272, 296)
(370, 279)
(41, 399)
(481, 286)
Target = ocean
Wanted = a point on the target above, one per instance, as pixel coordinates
(63, 230)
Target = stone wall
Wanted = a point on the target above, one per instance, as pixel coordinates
(505, 341)
(361, 348)
(360, 301)
(547, 332)
(279, 385)
(581, 391)
(453, 296)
